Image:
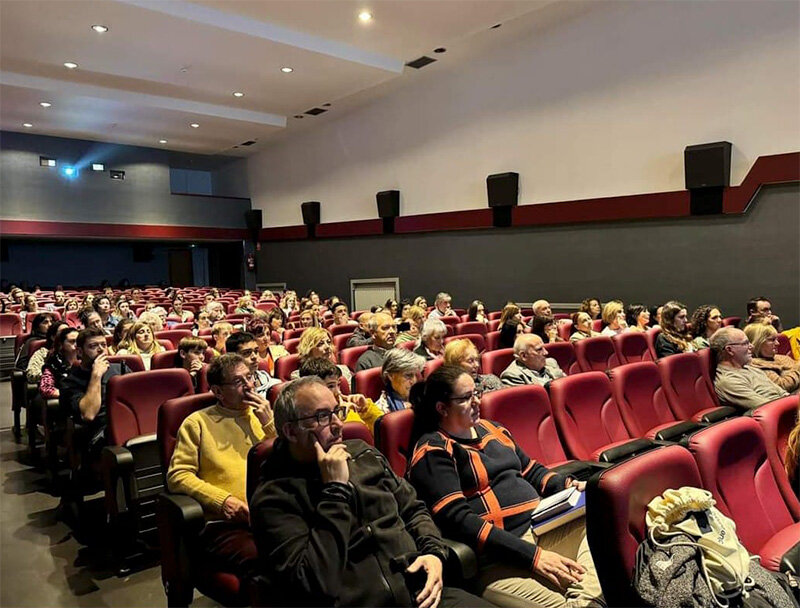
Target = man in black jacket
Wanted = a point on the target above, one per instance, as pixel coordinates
(334, 525)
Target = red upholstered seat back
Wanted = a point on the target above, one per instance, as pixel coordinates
(472, 327)
(525, 411)
(616, 517)
(171, 415)
(565, 329)
(132, 401)
(164, 360)
(784, 347)
(19, 340)
(291, 345)
(357, 430)
(338, 330)
(349, 356)
(687, 388)
(731, 321)
(340, 340)
(173, 335)
(495, 361)
(431, 366)
(564, 354)
(134, 363)
(632, 347)
(284, 366)
(586, 415)
(641, 401)
(10, 324)
(393, 433)
(492, 340)
(369, 383)
(734, 466)
(477, 339)
(35, 345)
(596, 354)
(450, 321)
(777, 419)
(290, 334)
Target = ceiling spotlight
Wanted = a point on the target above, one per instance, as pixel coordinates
(27, 125)
(287, 70)
(45, 104)
(70, 65)
(238, 94)
(98, 167)
(44, 161)
(194, 125)
(162, 141)
(100, 29)
(365, 16)
(70, 171)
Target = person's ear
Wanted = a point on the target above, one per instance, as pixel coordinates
(441, 409)
(182, 354)
(217, 391)
(289, 430)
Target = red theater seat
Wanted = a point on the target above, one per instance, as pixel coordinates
(392, 436)
(369, 383)
(734, 465)
(596, 354)
(565, 329)
(431, 366)
(731, 321)
(688, 389)
(492, 340)
(173, 335)
(284, 366)
(476, 339)
(133, 362)
(471, 327)
(291, 345)
(784, 347)
(338, 330)
(495, 361)
(632, 347)
(340, 341)
(349, 356)
(293, 333)
(10, 324)
(564, 354)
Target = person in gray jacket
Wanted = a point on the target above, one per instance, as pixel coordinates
(531, 364)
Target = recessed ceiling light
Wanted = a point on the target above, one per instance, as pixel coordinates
(98, 167)
(162, 141)
(100, 29)
(45, 104)
(194, 125)
(27, 125)
(70, 65)
(287, 70)
(365, 16)
(441, 49)
(238, 94)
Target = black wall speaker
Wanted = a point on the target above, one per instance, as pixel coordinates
(388, 203)
(310, 213)
(142, 253)
(253, 219)
(503, 189)
(705, 201)
(707, 165)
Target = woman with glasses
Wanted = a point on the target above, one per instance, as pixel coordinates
(481, 489)
(401, 369)
(782, 370)
(705, 321)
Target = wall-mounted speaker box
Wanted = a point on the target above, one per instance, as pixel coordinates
(253, 219)
(501, 216)
(388, 203)
(705, 201)
(143, 253)
(503, 189)
(707, 165)
(310, 213)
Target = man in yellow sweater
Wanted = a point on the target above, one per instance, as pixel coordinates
(210, 459)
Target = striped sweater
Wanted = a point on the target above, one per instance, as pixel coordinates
(482, 491)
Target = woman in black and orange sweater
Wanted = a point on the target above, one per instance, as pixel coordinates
(481, 489)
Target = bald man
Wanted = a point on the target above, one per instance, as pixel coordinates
(531, 364)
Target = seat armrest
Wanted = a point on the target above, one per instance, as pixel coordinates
(118, 469)
(626, 450)
(180, 519)
(790, 562)
(580, 469)
(719, 413)
(461, 560)
(678, 431)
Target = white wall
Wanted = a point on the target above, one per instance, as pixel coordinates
(602, 105)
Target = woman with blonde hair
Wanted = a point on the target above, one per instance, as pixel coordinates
(464, 354)
(614, 318)
(780, 369)
(316, 342)
(674, 337)
(140, 341)
(415, 317)
(152, 320)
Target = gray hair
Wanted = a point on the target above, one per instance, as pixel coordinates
(433, 326)
(373, 322)
(720, 339)
(442, 296)
(401, 360)
(285, 408)
(521, 342)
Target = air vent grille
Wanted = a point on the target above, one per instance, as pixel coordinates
(420, 62)
(248, 143)
(316, 111)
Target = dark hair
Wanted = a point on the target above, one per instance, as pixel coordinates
(320, 367)
(472, 311)
(222, 366)
(338, 304)
(96, 302)
(120, 329)
(50, 336)
(236, 340)
(38, 320)
(538, 324)
(752, 304)
(700, 319)
(89, 332)
(632, 313)
(508, 333)
(61, 336)
(276, 313)
(390, 302)
(586, 306)
(437, 387)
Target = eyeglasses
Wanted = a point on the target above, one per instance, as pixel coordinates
(241, 381)
(462, 399)
(324, 417)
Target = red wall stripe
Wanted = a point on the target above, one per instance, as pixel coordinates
(124, 231)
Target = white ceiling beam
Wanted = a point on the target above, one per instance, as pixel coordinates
(269, 31)
(139, 99)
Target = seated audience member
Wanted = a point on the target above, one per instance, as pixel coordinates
(531, 364)
(762, 307)
(120, 337)
(202, 321)
(141, 342)
(655, 316)
(737, 382)
(276, 322)
(266, 295)
(441, 307)
(161, 313)
(191, 357)
(637, 317)
(383, 333)
(59, 298)
(705, 321)
(546, 329)
(510, 312)
(674, 337)
(122, 311)
(83, 391)
(477, 312)
(421, 302)
(59, 362)
(318, 494)
(582, 327)
(267, 351)
(405, 304)
(210, 459)
(245, 345)
(41, 323)
(780, 369)
(289, 304)
(33, 372)
(30, 306)
(313, 297)
(340, 314)
(509, 332)
(244, 306)
(102, 306)
(177, 310)
(71, 305)
(414, 318)
(541, 308)
(462, 353)
(359, 408)
(308, 318)
(316, 342)
(216, 312)
(431, 344)
(614, 318)
(152, 320)
(592, 307)
(220, 332)
(482, 488)
(390, 307)
(91, 318)
(401, 369)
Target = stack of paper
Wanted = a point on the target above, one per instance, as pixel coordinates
(558, 509)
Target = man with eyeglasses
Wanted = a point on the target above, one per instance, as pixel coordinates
(245, 344)
(531, 364)
(210, 459)
(736, 382)
(333, 523)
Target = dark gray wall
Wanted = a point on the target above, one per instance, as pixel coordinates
(720, 260)
(31, 192)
